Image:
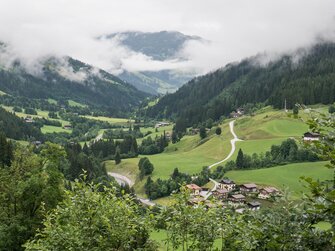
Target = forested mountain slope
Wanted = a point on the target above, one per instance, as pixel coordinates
(67, 78)
(309, 80)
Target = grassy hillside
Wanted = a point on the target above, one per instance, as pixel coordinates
(189, 155)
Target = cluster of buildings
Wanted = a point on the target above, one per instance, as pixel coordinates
(238, 113)
(227, 192)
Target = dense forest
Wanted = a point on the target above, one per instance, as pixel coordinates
(74, 80)
(306, 80)
(16, 128)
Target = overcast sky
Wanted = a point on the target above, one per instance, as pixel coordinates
(237, 29)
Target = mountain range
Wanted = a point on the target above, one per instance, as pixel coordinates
(161, 46)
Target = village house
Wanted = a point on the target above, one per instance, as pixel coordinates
(237, 198)
(221, 194)
(311, 136)
(254, 205)
(195, 189)
(248, 188)
(227, 184)
(267, 192)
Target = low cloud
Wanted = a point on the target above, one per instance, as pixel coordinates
(37, 29)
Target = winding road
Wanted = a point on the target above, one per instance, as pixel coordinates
(122, 180)
(232, 142)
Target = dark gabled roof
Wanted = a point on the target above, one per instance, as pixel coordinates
(250, 186)
(227, 181)
(238, 196)
(311, 134)
(222, 191)
(254, 203)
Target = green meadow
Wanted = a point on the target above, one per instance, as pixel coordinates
(110, 120)
(284, 177)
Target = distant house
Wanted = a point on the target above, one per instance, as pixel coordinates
(227, 184)
(221, 194)
(248, 188)
(254, 205)
(267, 192)
(195, 189)
(311, 136)
(160, 124)
(29, 119)
(237, 198)
(67, 127)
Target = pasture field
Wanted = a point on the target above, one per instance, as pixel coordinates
(74, 103)
(110, 120)
(52, 129)
(284, 177)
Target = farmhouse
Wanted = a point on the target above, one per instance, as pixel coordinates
(311, 136)
(227, 184)
(267, 192)
(248, 188)
(221, 194)
(195, 189)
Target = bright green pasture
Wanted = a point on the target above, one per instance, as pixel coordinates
(52, 129)
(74, 103)
(256, 145)
(284, 177)
(109, 120)
(269, 125)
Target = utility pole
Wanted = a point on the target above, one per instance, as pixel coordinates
(285, 108)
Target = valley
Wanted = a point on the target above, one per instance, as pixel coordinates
(259, 132)
(126, 146)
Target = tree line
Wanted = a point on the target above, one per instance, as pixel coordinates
(287, 152)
